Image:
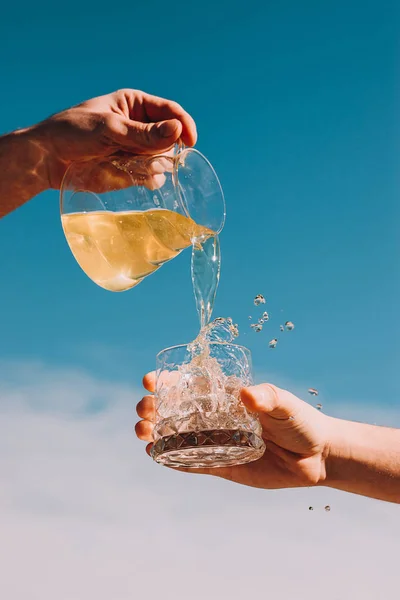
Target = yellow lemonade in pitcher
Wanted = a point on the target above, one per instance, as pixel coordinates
(118, 249)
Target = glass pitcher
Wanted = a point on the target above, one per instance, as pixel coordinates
(124, 216)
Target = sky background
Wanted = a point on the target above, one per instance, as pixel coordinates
(296, 105)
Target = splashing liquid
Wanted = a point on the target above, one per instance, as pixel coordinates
(202, 421)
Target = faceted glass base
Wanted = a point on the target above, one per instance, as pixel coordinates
(212, 448)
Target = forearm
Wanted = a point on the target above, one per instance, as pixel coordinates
(364, 459)
(22, 167)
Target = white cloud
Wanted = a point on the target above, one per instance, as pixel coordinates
(84, 513)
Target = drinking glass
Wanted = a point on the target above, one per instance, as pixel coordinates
(200, 419)
(124, 216)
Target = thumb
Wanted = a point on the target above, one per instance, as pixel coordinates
(153, 137)
(271, 401)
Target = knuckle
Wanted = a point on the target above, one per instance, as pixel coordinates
(108, 120)
(126, 91)
(129, 97)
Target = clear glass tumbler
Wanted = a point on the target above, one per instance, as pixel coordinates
(200, 419)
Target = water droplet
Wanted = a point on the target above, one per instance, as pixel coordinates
(327, 508)
(281, 327)
(313, 391)
(273, 343)
(256, 326)
(235, 330)
(310, 508)
(319, 407)
(265, 316)
(259, 299)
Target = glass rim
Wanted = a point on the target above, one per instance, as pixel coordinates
(179, 346)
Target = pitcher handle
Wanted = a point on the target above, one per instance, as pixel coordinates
(179, 147)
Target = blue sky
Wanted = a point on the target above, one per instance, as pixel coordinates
(297, 107)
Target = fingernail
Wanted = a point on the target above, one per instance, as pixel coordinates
(257, 396)
(167, 129)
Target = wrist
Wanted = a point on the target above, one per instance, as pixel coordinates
(364, 459)
(23, 168)
(26, 158)
(338, 451)
(37, 158)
